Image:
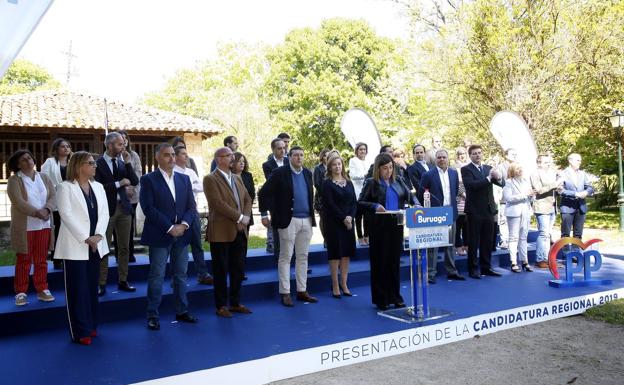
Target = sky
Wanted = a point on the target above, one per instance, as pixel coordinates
(126, 48)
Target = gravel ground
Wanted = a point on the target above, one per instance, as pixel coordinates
(573, 350)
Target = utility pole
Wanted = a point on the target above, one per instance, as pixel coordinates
(69, 54)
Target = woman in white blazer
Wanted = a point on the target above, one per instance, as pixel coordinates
(518, 194)
(56, 168)
(84, 215)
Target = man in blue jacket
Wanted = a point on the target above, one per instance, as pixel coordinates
(575, 189)
(443, 184)
(169, 206)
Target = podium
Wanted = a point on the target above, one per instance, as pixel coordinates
(428, 227)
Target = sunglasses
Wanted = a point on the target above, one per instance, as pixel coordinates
(90, 163)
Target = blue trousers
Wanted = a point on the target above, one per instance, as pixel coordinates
(158, 263)
(81, 290)
(197, 249)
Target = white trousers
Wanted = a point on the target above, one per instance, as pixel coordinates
(518, 232)
(296, 236)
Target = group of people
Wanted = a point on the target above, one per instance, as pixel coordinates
(77, 205)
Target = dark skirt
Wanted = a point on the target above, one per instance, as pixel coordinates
(340, 241)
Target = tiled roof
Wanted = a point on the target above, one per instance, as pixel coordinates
(66, 109)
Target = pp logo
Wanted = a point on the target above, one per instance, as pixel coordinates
(583, 263)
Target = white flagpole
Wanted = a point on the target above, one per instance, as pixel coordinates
(105, 117)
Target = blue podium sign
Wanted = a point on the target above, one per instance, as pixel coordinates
(429, 216)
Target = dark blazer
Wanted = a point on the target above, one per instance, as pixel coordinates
(569, 202)
(479, 194)
(374, 193)
(415, 172)
(431, 180)
(251, 189)
(104, 175)
(318, 176)
(270, 165)
(162, 212)
(276, 195)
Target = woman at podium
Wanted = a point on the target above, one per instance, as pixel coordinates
(384, 195)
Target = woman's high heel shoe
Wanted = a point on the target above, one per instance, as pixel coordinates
(515, 268)
(337, 296)
(346, 293)
(527, 267)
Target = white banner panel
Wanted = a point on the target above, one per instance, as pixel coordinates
(18, 19)
(428, 237)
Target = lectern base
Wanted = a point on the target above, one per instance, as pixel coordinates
(408, 315)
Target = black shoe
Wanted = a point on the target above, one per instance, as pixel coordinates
(132, 259)
(153, 324)
(125, 286)
(187, 317)
(455, 277)
(337, 296)
(399, 305)
(382, 307)
(346, 293)
(431, 281)
(491, 273)
(527, 268)
(514, 269)
(101, 290)
(474, 275)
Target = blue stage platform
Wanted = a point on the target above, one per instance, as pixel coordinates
(274, 342)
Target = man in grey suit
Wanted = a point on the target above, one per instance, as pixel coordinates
(576, 187)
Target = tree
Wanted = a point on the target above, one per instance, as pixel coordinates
(556, 62)
(317, 75)
(24, 76)
(225, 91)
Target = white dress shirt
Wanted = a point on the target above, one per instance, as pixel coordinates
(446, 186)
(170, 182)
(280, 163)
(195, 183)
(37, 197)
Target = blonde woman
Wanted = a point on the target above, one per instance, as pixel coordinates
(340, 206)
(518, 194)
(83, 208)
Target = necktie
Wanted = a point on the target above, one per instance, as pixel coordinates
(235, 191)
(115, 169)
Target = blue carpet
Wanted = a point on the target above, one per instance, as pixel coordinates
(127, 352)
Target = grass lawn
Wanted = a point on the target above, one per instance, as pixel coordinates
(255, 242)
(7, 258)
(611, 312)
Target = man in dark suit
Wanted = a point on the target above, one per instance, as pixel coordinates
(442, 183)
(480, 210)
(575, 189)
(288, 195)
(229, 212)
(277, 159)
(114, 171)
(229, 141)
(416, 170)
(167, 201)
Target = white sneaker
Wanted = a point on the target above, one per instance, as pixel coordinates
(21, 299)
(45, 296)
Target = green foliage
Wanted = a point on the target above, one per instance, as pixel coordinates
(24, 76)
(317, 75)
(558, 63)
(226, 91)
(607, 190)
